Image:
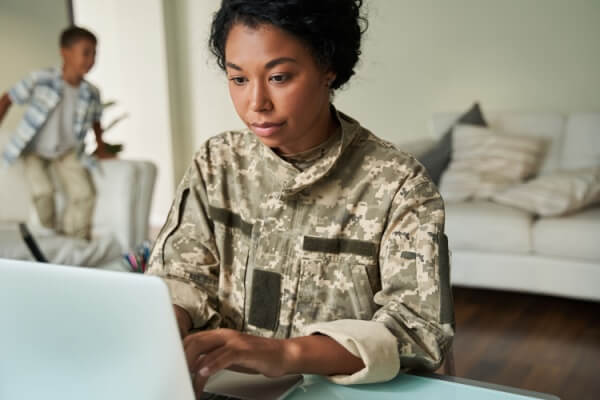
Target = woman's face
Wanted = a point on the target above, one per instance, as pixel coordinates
(278, 88)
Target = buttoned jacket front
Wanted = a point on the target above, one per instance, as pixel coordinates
(351, 247)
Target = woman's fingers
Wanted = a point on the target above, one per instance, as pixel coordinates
(201, 343)
(211, 351)
(199, 383)
(216, 360)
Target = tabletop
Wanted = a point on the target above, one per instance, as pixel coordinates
(408, 386)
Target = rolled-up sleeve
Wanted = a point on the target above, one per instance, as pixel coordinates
(370, 341)
(185, 254)
(413, 326)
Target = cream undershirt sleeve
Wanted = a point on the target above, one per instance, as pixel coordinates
(371, 341)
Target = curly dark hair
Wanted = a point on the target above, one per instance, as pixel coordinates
(331, 28)
(74, 34)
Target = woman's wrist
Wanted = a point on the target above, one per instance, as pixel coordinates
(291, 352)
(318, 354)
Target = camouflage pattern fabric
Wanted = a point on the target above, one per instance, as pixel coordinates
(358, 235)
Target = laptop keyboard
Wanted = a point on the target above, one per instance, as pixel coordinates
(214, 396)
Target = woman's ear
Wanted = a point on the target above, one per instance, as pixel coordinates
(329, 78)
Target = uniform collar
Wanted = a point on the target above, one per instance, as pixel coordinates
(292, 181)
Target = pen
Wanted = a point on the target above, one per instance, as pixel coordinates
(132, 261)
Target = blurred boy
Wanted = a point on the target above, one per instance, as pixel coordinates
(61, 108)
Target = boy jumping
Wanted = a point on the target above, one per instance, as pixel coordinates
(62, 107)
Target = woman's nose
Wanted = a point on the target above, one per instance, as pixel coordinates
(260, 100)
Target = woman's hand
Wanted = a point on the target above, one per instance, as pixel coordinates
(208, 352)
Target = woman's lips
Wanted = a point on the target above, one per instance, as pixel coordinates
(266, 128)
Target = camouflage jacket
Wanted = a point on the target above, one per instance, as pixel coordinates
(351, 247)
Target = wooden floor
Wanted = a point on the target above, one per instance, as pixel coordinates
(539, 343)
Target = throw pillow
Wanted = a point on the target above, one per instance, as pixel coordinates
(438, 157)
(484, 162)
(561, 193)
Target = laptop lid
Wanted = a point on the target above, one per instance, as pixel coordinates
(78, 333)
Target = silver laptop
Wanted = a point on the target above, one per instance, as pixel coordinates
(227, 385)
(79, 333)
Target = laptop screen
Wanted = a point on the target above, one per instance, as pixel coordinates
(75, 333)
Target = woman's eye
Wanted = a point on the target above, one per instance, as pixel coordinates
(279, 78)
(238, 80)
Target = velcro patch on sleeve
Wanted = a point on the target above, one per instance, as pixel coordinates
(447, 307)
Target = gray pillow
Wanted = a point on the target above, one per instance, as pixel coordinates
(437, 158)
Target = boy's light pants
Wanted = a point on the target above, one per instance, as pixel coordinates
(78, 188)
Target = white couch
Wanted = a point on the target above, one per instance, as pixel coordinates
(500, 247)
(124, 195)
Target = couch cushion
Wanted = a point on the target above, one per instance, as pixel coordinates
(581, 147)
(486, 226)
(436, 159)
(552, 195)
(545, 124)
(541, 124)
(59, 249)
(485, 162)
(575, 236)
(15, 202)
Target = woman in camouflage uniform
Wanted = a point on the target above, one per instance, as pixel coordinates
(304, 244)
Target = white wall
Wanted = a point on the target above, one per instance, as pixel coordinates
(204, 108)
(423, 56)
(29, 36)
(131, 68)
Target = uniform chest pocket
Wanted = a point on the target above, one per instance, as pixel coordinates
(338, 279)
